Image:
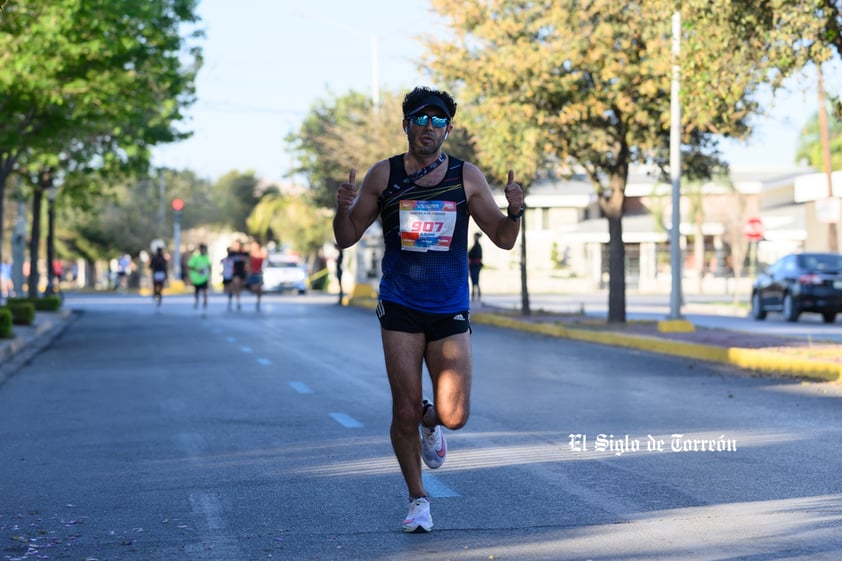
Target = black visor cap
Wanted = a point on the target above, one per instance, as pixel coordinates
(431, 101)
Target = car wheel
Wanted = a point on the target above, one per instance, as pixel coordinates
(757, 311)
(829, 317)
(791, 311)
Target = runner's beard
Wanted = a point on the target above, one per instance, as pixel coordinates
(423, 149)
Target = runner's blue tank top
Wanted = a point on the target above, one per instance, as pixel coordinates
(425, 229)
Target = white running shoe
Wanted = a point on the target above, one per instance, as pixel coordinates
(419, 518)
(433, 444)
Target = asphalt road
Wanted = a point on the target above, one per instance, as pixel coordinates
(149, 435)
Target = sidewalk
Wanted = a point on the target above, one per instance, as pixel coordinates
(29, 339)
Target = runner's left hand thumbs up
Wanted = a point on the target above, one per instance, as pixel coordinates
(514, 195)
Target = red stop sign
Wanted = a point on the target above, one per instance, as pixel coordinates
(754, 229)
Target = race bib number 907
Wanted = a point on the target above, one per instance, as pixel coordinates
(427, 225)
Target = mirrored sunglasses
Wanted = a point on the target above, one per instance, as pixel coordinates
(422, 120)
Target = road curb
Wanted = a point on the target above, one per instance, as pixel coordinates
(757, 360)
(49, 325)
(751, 359)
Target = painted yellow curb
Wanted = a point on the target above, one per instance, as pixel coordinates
(168, 290)
(364, 291)
(675, 326)
(752, 359)
(361, 301)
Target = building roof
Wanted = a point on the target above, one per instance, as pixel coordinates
(756, 180)
(637, 228)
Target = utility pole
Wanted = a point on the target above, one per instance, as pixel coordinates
(162, 202)
(177, 206)
(375, 87)
(675, 170)
(824, 133)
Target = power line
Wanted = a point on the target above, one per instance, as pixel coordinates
(229, 107)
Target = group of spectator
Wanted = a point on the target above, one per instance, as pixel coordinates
(59, 270)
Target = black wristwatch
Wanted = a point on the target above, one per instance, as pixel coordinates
(515, 217)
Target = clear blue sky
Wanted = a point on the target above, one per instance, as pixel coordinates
(267, 62)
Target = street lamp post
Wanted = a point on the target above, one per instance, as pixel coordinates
(177, 206)
(52, 192)
(675, 171)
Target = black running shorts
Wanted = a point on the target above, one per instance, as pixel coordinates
(394, 317)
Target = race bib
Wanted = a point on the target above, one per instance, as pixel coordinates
(159, 276)
(427, 225)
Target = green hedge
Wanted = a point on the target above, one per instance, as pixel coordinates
(6, 331)
(46, 304)
(23, 312)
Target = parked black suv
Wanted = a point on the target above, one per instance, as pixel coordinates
(800, 282)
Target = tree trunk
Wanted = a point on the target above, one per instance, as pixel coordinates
(45, 181)
(34, 242)
(2, 210)
(91, 276)
(524, 289)
(616, 270)
(5, 172)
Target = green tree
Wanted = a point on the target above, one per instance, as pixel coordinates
(238, 194)
(344, 132)
(91, 84)
(125, 215)
(586, 86)
(810, 145)
(291, 221)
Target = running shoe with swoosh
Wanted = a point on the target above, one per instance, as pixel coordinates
(433, 444)
(419, 518)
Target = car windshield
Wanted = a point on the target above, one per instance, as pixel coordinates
(281, 260)
(820, 262)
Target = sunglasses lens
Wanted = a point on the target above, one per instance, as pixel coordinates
(422, 120)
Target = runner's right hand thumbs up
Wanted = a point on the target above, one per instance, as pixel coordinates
(347, 192)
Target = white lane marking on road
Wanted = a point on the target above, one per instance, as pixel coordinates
(207, 504)
(300, 387)
(246, 349)
(264, 361)
(435, 487)
(334, 364)
(346, 421)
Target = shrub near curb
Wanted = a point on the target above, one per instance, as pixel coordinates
(6, 331)
(46, 304)
(23, 313)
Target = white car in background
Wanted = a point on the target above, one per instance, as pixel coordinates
(283, 272)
